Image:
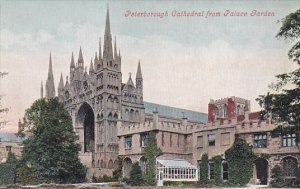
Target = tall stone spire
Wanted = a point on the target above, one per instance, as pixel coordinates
(115, 49)
(42, 90)
(139, 71)
(50, 89)
(107, 51)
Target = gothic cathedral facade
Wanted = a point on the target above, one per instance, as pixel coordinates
(98, 101)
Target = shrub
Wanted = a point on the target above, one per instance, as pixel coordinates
(204, 169)
(8, 170)
(277, 177)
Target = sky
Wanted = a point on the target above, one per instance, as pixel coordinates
(186, 61)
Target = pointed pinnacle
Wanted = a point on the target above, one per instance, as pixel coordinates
(50, 72)
(72, 65)
(107, 24)
(139, 71)
(96, 57)
(91, 66)
(80, 57)
(61, 82)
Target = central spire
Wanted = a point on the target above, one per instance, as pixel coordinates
(107, 51)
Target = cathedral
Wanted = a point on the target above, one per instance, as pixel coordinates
(112, 120)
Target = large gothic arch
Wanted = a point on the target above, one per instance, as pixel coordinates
(86, 119)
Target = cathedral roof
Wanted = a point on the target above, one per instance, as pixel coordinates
(169, 111)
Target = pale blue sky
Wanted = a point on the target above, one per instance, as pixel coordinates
(185, 61)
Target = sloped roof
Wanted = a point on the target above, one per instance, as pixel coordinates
(10, 137)
(176, 163)
(168, 111)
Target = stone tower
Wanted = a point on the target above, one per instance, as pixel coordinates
(50, 89)
(98, 101)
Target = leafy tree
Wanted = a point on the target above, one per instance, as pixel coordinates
(204, 169)
(51, 152)
(136, 177)
(218, 169)
(8, 170)
(277, 177)
(283, 105)
(240, 159)
(151, 153)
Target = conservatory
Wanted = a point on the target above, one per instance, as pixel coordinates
(175, 170)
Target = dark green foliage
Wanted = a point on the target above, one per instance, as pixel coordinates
(52, 151)
(218, 170)
(204, 169)
(136, 177)
(290, 30)
(277, 177)
(26, 175)
(8, 170)
(240, 159)
(151, 153)
(283, 105)
(104, 178)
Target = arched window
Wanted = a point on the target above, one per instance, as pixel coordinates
(127, 164)
(131, 114)
(289, 165)
(103, 164)
(110, 164)
(143, 165)
(115, 116)
(110, 115)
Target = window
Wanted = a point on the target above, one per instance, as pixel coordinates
(128, 142)
(170, 139)
(289, 165)
(200, 141)
(8, 148)
(144, 139)
(225, 170)
(211, 140)
(289, 140)
(260, 140)
(211, 171)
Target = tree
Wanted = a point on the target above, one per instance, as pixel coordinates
(283, 105)
(51, 152)
(277, 177)
(240, 158)
(151, 153)
(136, 177)
(204, 169)
(8, 170)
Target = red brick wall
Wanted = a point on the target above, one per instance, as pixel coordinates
(231, 109)
(211, 112)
